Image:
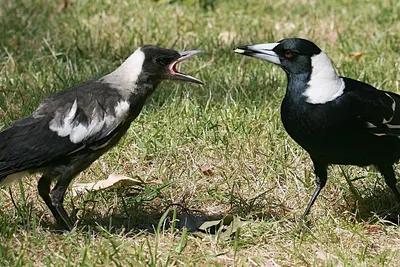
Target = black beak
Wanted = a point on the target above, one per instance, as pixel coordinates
(176, 75)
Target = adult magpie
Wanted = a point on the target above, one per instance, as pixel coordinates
(337, 120)
(72, 128)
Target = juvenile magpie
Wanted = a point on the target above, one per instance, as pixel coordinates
(337, 120)
(74, 127)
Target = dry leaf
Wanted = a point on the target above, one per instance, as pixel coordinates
(207, 170)
(358, 55)
(208, 224)
(233, 227)
(114, 180)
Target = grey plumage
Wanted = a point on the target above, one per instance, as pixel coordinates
(74, 127)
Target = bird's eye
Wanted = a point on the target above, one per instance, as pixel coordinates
(163, 61)
(288, 54)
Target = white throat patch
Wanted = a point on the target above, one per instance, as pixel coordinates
(125, 77)
(324, 85)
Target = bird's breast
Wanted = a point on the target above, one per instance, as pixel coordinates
(314, 126)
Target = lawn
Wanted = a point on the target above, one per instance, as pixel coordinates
(206, 152)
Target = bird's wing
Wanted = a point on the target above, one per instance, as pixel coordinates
(61, 126)
(380, 110)
(28, 144)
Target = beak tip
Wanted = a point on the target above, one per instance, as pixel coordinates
(239, 50)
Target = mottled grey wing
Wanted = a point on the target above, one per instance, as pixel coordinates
(63, 124)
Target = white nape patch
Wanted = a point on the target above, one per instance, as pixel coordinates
(124, 78)
(79, 132)
(394, 110)
(324, 85)
(13, 178)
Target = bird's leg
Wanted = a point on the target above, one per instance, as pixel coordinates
(321, 173)
(390, 178)
(57, 200)
(44, 191)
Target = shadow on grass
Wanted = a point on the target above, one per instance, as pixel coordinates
(148, 221)
(381, 206)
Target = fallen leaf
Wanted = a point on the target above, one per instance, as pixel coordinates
(207, 170)
(208, 224)
(114, 180)
(358, 55)
(233, 227)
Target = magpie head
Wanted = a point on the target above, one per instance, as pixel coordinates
(294, 55)
(163, 64)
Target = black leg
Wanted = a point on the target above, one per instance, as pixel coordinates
(321, 173)
(390, 178)
(57, 200)
(44, 191)
(63, 175)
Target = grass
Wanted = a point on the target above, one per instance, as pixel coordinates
(231, 125)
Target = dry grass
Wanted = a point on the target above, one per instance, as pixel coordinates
(231, 126)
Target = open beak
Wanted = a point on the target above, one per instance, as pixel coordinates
(173, 67)
(263, 51)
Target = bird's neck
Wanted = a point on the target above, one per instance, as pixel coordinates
(297, 84)
(130, 80)
(320, 85)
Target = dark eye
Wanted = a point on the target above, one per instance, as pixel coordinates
(288, 53)
(163, 61)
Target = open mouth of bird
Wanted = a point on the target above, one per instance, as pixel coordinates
(174, 67)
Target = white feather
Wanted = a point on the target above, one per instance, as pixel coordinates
(65, 128)
(80, 132)
(324, 85)
(124, 78)
(121, 109)
(393, 109)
